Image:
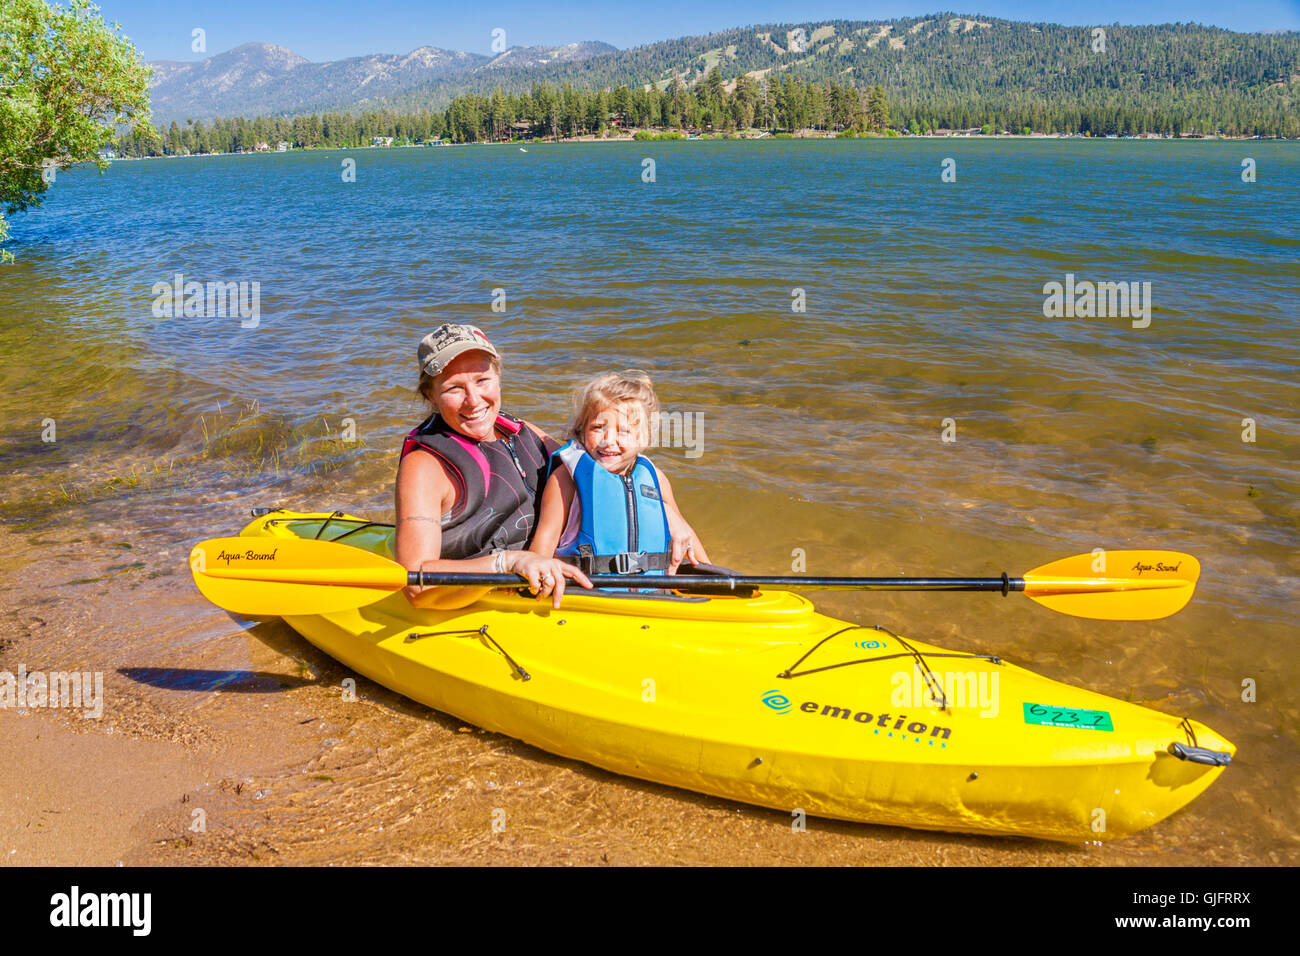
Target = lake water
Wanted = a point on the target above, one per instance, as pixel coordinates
(858, 348)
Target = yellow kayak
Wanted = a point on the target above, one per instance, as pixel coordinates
(762, 699)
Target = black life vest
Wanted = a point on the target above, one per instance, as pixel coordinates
(498, 484)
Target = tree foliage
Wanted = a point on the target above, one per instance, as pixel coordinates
(546, 112)
(66, 78)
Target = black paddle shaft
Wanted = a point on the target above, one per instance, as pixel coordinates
(721, 584)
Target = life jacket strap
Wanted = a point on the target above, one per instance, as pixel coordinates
(625, 562)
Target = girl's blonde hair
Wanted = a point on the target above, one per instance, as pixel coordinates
(629, 391)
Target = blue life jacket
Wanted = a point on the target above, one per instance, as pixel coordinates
(624, 527)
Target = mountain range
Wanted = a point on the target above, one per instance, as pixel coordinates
(924, 58)
(265, 79)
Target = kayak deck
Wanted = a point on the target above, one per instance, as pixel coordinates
(764, 700)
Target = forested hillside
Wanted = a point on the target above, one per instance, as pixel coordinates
(960, 72)
(941, 72)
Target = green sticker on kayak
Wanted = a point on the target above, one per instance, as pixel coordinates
(1067, 717)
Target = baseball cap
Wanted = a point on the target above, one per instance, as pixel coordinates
(444, 343)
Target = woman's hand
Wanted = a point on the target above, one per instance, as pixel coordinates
(545, 576)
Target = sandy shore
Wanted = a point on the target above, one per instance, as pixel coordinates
(84, 799)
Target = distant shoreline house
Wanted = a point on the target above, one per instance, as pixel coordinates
(523, 129)
(385, 141)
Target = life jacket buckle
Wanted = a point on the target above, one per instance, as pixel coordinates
(628, 562)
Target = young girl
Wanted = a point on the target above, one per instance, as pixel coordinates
(606, 508)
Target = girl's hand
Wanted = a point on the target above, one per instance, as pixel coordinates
(545, 576)
(686, 545)
(684, 549)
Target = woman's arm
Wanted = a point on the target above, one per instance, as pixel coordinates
(424, 493)
(686, 544)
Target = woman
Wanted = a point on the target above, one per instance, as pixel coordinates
(470, 478)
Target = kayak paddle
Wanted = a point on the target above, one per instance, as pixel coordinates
(281, 577)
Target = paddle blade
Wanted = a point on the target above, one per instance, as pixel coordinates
(1116, 585)
(265, 577)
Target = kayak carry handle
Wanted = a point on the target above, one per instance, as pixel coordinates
(1212, 758)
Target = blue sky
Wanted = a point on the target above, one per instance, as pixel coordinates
(334, 29)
